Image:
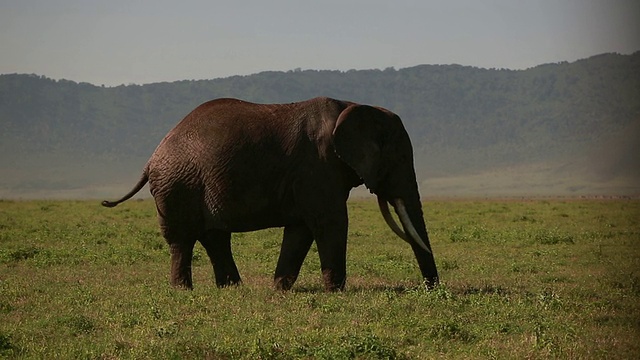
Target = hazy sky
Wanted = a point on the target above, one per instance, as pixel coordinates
(120, 42)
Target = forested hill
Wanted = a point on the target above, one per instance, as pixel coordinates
(555, 129)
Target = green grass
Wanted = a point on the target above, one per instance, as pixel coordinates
(520, 279)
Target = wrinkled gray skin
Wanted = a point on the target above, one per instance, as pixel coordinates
(233, 166)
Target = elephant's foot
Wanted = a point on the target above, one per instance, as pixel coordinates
(284, 283)
(333, 280)
(226, 272)
(430, 283)
(229, 280)
(182, 283)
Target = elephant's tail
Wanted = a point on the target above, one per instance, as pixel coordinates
(143, 180)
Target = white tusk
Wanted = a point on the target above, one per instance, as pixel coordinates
(386, 214)
(408, 225)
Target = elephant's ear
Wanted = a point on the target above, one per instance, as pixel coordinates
(358, 140)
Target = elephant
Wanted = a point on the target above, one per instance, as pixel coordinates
(235, 166)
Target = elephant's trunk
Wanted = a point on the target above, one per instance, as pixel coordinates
(411, 216)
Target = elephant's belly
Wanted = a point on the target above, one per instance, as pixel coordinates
(247, 218)
(253, 222)
(255, 205)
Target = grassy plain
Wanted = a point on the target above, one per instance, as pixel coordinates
(520, 279)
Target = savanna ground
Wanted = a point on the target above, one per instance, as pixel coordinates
(520, 279)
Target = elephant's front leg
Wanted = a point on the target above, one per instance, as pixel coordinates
(218, 246)
(331, 238)
(296, 242)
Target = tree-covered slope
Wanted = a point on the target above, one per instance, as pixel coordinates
(575, 120)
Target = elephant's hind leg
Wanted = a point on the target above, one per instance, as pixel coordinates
(218, 246)
(181, 256)
(296, 242)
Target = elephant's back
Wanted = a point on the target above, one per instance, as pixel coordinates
(230, 112)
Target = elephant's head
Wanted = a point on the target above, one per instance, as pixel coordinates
(374, 143)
